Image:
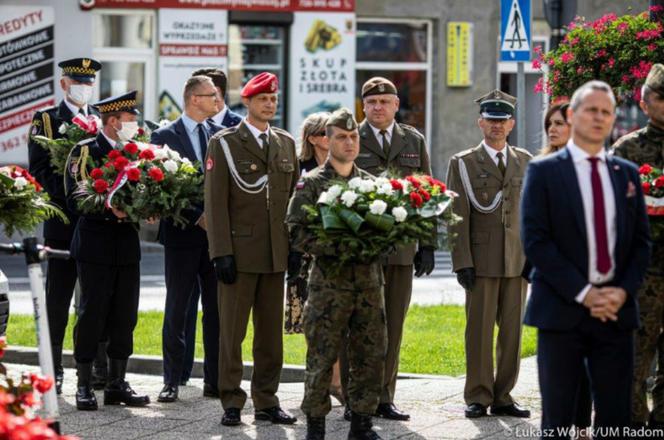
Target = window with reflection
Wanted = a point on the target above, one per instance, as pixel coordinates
(392, 42)
(127, 31)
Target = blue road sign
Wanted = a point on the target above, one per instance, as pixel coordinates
(515, 30)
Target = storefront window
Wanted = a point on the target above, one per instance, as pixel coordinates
(401, 52)
(123, 31)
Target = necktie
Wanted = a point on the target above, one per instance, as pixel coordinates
(265, 145)
(501, 164)
(202, 140)
(81, 111)
(386, 143)
(599, 215)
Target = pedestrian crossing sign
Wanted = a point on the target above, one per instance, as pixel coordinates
(515, 30)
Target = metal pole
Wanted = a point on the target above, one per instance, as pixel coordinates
(520, 105)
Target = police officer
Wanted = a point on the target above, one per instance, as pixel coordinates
(78, 77)
(107, 251)
(388, 146)
(646, 146)
(487, 256)
(251, 171)
(351, 301)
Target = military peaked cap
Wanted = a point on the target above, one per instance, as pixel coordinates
(496, 105)
(80, 69)
(120, 103)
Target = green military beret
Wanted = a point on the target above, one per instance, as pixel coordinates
(378, 86)
(496, 105)
(655, 79)
(342, 119)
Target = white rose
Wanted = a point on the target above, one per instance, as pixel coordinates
(399, 213)
(354, 183)
(334, 190)
(385, 188)
(348, 198)
(63, 128)
(171, 166)
(174, 154)
(325, 198)
(20, 182)
(160, 153)
(367, 185)
(377, 207)
(380, 181)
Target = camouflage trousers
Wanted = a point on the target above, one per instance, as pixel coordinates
(330, 315)
(647, 341)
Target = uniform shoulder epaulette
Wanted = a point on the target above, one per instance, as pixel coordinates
(228, 130)
(464, 152)
(284, 132)
(523, 151)
(47, 109)
(411, 129)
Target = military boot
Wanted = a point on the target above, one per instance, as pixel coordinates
(360, 428)
(85, 396)
(57, 367)
(117, 390)
(315, 428)
(100, 370)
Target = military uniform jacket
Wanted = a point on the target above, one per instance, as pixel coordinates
(488, 242)
(645, 146)
(46, 122)
(355, 277)
(249, 226)
(99, 238)
(408, 155)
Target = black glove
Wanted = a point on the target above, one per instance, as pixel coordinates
(466, 277)
(225, 269)
(294, 264)
(424, 261)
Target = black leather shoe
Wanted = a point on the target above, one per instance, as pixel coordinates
(347, 414)
(168, 394)
(119, 391)
(390, 412)
(231, 417)
(210, 391)
(85, 397)
(275, 415)
(475, 410)
(512, 410)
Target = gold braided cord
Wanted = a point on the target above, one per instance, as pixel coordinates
(81, 164)
(48, 131)
(76, 70)
(116, 106)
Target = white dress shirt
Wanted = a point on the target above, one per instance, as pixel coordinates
(74, 109)
(257, 133)
(493, 153)
(192, 131)
(583, 168)
(388, 134)
(219, 117)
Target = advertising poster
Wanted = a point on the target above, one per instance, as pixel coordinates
(322, 64)
(188, 40)
(26, 75)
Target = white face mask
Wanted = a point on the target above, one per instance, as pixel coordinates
(127, 131)
(80, 93)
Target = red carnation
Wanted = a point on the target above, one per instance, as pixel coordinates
(646, 187)
(96, 173)
(645, 169)
(140, 132)
(108, 165)
(414, 181)
(156, 174)
(659, 182)
(146, 154)
(441, 185)
(131, 148)
(133, 174)
(416, 200)
(42, 383)
(100, 186)
(425, 194)
(113, 154)
(120, 163)
(396, 185)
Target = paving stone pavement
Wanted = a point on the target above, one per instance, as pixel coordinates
(435, 404)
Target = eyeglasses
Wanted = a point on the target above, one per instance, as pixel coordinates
(320, 133)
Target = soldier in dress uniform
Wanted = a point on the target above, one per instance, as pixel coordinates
(646, 146)
(487, 256)
(77, 81)
(251, 171)
(351, 301)
(388, 146)
(107, 251)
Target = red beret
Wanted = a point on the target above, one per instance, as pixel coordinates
(264, 82)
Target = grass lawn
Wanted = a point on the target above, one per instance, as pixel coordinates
(433, 341)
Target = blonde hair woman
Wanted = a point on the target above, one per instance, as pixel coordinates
(313, 142)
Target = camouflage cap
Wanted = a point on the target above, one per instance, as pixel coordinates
(342, 119)
(655, 79)
(496, 105)
(378, 86)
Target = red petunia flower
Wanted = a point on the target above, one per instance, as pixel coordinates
(114, 154)
(396, 185)
(100, 186)
(425, 194)
(133, 174)
(120, 163)
(146, 154)
(645, 169)
(416, 200)
(414, 181)
(96, 173)
(156, 174)
(131, 148)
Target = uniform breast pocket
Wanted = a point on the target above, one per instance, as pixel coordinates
(246, 166)
(410, 162)
(485, 191)
(286, 167)
(366, 161)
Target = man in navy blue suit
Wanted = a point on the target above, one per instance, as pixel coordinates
(225, 117)
(187, 264)
(585, 231)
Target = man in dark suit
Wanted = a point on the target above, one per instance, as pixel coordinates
(107, 253)
(187, 264)
(78, 77)
(585, 231)
(224, 117)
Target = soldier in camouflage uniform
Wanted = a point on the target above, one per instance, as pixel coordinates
(350, 302)
(647, 146)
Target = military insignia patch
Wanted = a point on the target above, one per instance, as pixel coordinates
(381, 87)
(273, 86)
(209, 164)
(349, 124)
(253, 167)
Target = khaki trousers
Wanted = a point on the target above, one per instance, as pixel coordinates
(264, 294)
(493, 301)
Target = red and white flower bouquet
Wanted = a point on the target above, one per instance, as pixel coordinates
(652, 182)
